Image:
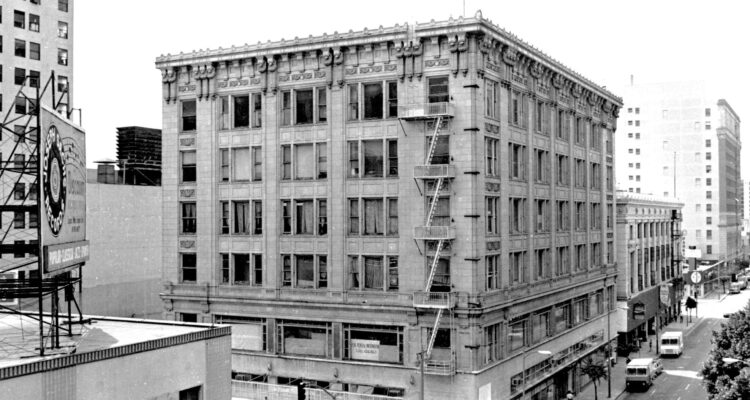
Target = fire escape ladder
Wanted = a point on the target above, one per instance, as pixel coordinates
(433, 334)
(434, 201)
(433, 141)
(434, 265)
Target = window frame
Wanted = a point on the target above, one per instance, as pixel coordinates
(289, 162)
(357, 157)
(289, 108)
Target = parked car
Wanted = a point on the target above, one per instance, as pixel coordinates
(735, 287)
(657, 366)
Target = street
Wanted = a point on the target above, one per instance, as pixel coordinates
(680, 379)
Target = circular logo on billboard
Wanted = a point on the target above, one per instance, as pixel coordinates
(53, 180)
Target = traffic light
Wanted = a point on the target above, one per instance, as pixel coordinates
(301, 393)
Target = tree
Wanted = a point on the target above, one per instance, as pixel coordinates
(595, 372)
(729, 380)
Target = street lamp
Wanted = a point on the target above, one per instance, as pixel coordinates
(523, 373)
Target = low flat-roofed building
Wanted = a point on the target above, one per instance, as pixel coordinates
(116, 358)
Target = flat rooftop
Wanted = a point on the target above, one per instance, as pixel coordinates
(97, 339)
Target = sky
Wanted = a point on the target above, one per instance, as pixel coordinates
(116, 43)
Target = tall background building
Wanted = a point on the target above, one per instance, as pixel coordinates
(356, 203)
(680, 141)
(36, 39)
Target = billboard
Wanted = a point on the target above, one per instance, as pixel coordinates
(62, 193)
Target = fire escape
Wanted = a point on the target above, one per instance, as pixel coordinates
(433, 178)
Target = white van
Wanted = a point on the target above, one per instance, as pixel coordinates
(640, 372)
(671, 344)
(735, 287)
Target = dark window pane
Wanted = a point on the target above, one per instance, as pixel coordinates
(241, 111)
(373, 97)
(304, 105)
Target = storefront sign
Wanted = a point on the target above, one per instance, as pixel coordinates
(60, 256)
(365, 349)
(639, 311)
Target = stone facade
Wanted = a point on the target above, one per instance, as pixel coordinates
(649, 254)
(342, 142)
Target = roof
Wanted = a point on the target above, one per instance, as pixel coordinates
(671, 333)
(399, 33)
(102, 338)
(637, 362)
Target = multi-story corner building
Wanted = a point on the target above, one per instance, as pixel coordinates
(679, 141)
(352, 203)
(649, 254)
(36, 39)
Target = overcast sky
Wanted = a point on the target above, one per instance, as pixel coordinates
(116, 43)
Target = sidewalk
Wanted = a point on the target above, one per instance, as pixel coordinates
(618, 370)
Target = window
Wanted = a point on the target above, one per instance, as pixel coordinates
(34, 51)
(709, 234)
(437, 90)
(563, 125)
(493, 349)
(224, 218)
(257, 217)
(188, 115)
(540, 327)
(19, 133)
(541, 166)
(637, 123)
(373, 158)
(709, 249)
(20, 105)
(33, 220)
(62, 56)
(62, 84)
(305, 271)
(709, 207)
(517, 266)
(19, 220)
(542, 118)
(708, 126)
(303, 106)
(188, 166)
(708, 142)
(19, 76)
(388, 340)
(580, 177)
(637, 151)
(541, 216)
(708, 181)
(188, 267)
(379, 273)
(20, 48)
(563, 261)
(517, 161)
(492, 99)
(518, 109)
(708, 169)
(241, 164)
(62, 5)
(306, 216)
(580, 215)
(563, 170)
(492, 272)
(708, 194)
(376, 212)
(62, 30)
(596, 138)
(493, 215)
(33, 23)
(581, 257)
(19, 19)
(708, 155)
(305, 338)
(708, 220)
(580, 132)
(517, 336)
(491, 146)
(563, 216)
(542, 260)
(596, 176)
(517, 215)
(19, 163)
(610, 184)
(353, 109)
(307, 161)
(241, 212)
(188, 218)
